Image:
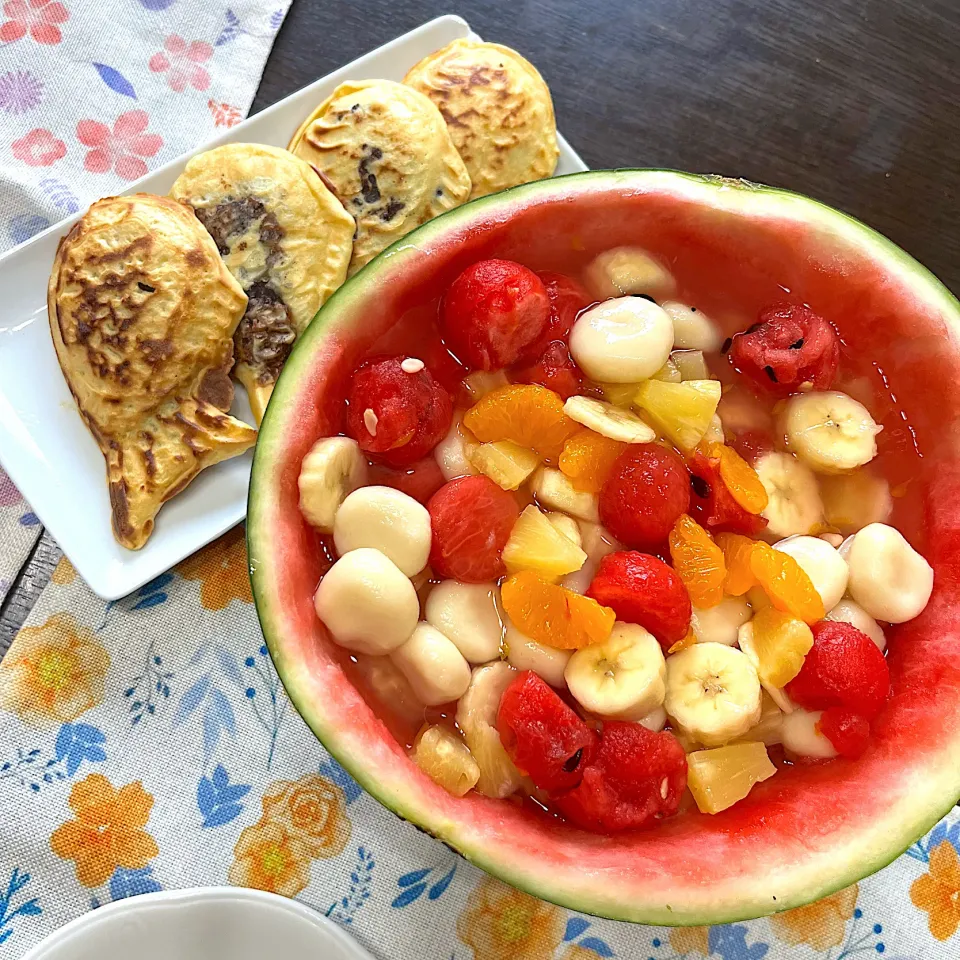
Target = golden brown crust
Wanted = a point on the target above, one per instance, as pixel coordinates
(142, 311)
(389, 156)
(498, 110)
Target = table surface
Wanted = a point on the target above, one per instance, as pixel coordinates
(854, 102)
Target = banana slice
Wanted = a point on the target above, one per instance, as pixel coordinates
(830, 431)
(333, 468)
(793, 504)
(846, 611)
(548, 663)
(467, 614)
(720, 624)
(713, 693)
(621, 678)
(854, 500)
(477, 719)
(434, 667)
(367, 603)
(554, 490)
(655, 720)
(692, 328)
(628, 270)
(821, 563)
(888, 578)
(621, 341)
(452, 453)
(800, 736)
(608, 420)
(387, 520)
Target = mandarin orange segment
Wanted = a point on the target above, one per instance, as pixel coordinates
(786, 583)
(688, 640)
(553, 615)
(742, 481)
(698, 561)
(527, 414)
(778, 643)
(588, 458)
(737, 551)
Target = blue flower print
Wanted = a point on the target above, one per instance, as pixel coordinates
(131, 883)
(9, 909)
(730, 942)
(77, 742)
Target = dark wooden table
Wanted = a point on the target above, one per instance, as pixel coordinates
(855, 102)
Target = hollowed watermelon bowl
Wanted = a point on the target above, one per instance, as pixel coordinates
(806, 832)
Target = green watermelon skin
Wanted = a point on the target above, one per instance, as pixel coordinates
(807, 831)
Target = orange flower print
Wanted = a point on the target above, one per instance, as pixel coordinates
(64, 573)
(938, 892)
(108, 830)
(313, 812)
(53, 673)
(221, 569)
(500, 923)
(267, 858)
(691, 940)
(821, 924)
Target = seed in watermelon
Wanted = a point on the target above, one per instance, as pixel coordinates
(788, 346)
(397, 416)
(646, 492)
(643, 589)
(493, 311)
(543, 736)
(844, 668)
(471, 519)
(849, 732)
(636, 778)
(712, 503)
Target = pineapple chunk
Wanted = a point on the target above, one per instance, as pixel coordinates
(567, 526)
(670, 372)
(720, 777)
(554, 490)
(619, 394)
(481, 382)
(505, 462)
(445, 758)
(536, 544)
(769, 728)
(777, 644)
(691, 364)
(680, 411)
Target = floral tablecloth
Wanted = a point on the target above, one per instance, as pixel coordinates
(147, 744)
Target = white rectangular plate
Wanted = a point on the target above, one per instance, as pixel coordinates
(44, 446)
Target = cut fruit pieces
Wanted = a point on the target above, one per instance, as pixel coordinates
(741, 480)
(852, 501)
(619, 394)
(737, 553)
(553, 489)
(680, 411)
(536, 544)
(506, 463)
(529, 415)
(553, 615)
(588, 459)
(785, 583)
(777, 644)
(446, 759)
(720, 778)
(769, 728)
(690, 364)
(698, 561)
(608, 420)
(668, 373)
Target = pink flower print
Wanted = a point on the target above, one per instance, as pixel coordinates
(9, 494)
(39, 148)
(182, 60)
(39, 18)
(122, 149)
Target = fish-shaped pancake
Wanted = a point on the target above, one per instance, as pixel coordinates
(498, 109)
(388, 153)
(285, 237)
(142, 312)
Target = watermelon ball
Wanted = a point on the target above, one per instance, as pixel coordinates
(567, 299)
(789, 345)
(847, 731)
(492, 312)
(544, 737)
(643, 589)
(844, 668)
(471, 519)
(647, 490)
(554, 369)
(636, 778)
(712, 504)
(396, 410)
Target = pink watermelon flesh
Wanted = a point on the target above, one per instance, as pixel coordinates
(808, 830)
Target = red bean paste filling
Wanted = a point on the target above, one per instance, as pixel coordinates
(266, 333)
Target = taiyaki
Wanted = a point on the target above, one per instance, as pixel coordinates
(284, 236)
(142, 312)
(498, 110)
(388, 153)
